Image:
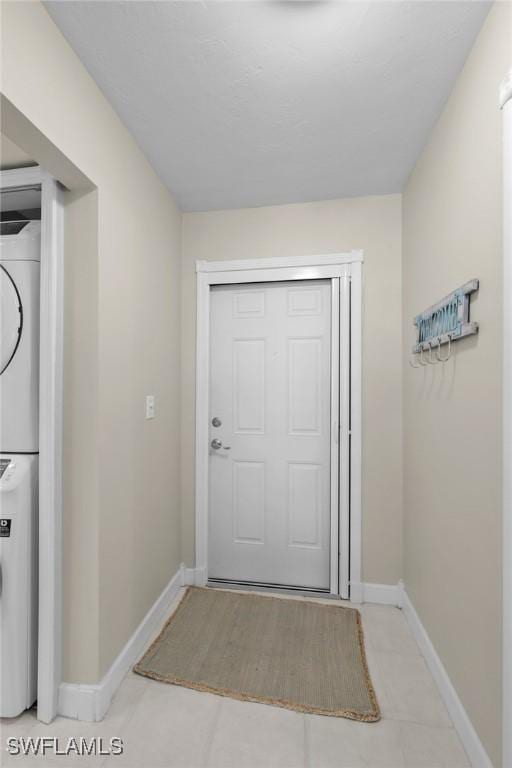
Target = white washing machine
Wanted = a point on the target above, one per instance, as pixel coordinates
(18, 582)
(19, 446)
(20, 256)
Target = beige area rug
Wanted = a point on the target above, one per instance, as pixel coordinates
(296, 654)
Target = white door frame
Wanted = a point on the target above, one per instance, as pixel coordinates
(506, 106)
(345, 271)
(50, 432)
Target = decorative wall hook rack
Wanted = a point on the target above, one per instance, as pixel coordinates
(447, 321)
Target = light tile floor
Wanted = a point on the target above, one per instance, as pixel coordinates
(164, 726)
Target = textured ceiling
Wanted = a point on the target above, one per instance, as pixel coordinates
(258, 103)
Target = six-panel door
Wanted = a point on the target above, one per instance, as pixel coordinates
(269, 519)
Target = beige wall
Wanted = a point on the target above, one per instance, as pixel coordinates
(374, 224)
(11, 156)
(452, 415)
(123, 242)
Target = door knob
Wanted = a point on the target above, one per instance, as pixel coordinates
(216, 444)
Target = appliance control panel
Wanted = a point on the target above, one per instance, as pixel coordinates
(7, 467)
(13, 469)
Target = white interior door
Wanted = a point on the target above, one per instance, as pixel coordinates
(270, 413)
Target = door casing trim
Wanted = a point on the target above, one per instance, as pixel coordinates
(505, 100)
(341, 268)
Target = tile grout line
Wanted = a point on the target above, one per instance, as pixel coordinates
(211, 734)
(389, 695)
(307, 748)
(401, 741)
(128, 720)
(434, 726)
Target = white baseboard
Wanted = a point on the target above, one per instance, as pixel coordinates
(364, 592)
(383, 594)
(91, 702)
(463, 725)
(195, 577)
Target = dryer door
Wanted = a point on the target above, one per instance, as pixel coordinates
(11, 319)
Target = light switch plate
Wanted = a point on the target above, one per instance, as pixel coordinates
(150, 406)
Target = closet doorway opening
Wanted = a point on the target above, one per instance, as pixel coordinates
(36, 436)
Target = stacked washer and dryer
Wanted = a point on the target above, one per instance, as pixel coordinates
(19, 445)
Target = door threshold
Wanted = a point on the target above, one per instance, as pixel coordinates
(252, 586)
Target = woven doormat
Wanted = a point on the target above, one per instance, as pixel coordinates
(296, 654)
